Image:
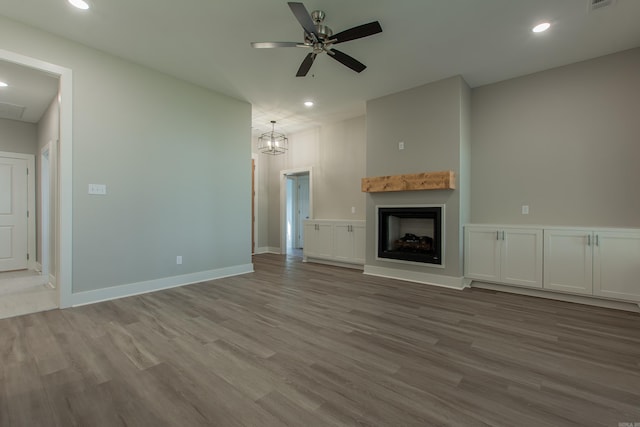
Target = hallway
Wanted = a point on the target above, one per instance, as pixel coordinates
(25, 292)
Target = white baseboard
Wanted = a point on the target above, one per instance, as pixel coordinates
(267, 250)
(115, 292)
(579, 299)
(333, 263)
(458, 283)
(52, 281)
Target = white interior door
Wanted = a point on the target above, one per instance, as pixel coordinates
(13, 214)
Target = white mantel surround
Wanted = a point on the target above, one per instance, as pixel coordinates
(400, 270)
(441, 236)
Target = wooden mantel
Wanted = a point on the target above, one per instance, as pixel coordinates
(445, 180)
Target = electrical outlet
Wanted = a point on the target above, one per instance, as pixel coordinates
(179, 259)
(98, 189)
(353, 209)
(525, 209)
(401, 145)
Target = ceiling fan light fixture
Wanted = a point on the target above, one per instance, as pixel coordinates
(320, 39)
(273, 143)
(80, 4)
(542, 27)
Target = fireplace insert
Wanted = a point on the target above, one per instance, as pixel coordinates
(410, 233)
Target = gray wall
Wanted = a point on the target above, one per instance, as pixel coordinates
(174, 157)
(431, 122)
(335, 152)
(18, 137)
(564, 141)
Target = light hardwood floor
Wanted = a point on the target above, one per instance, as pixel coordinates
(308, 345)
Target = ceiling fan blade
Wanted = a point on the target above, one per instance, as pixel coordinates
(303, 17)
(347, 60)
(358, 32)
(268, 45)
(306, 65)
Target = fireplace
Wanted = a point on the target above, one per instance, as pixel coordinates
(412, 233)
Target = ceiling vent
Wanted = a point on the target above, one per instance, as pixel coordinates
(11, 111)
(600, 4)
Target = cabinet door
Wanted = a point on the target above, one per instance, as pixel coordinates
(325, 241)
(482, 253)
(521, 257)
(342, 243)
(311, 242)
(616, 268)
(568, 261)
(359, 243)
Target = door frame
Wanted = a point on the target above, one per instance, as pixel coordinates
(255, 196)
(283, 201)
(31, 203)
(64, 250)
(45, 209)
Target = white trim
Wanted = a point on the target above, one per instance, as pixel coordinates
(65, 172)
(52, 281)
(267, 250)
(256, 198)
(31, 203)
(458, 283)
(45, 207)
(283, 201)
(333, 263)
(579, 299)
(115, 292)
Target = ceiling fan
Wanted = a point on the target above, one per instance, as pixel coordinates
(320, 38)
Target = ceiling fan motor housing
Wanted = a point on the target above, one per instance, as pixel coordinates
(323, 31)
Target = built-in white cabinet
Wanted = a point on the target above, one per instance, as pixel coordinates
(508, 255)
(349, 242)
(568, 260)
(318, 239)
(335, 240)
(594, 262)
(582, 261)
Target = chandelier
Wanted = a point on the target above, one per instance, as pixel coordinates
(273, 142)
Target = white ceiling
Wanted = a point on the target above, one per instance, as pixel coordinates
(207, 42)
(29, 93)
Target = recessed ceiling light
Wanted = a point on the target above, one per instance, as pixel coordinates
(541, 27)
(80, 4)
(308, 103)
(3, 84)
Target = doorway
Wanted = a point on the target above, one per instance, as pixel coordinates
(59, 161)
(296, 197)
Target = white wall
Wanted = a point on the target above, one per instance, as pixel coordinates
(564, 141)
(174, 157)
(335, 152)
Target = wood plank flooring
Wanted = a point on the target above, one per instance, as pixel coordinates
(298, 344)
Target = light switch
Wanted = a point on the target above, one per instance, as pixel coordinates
(525, 209)
(98, 189)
